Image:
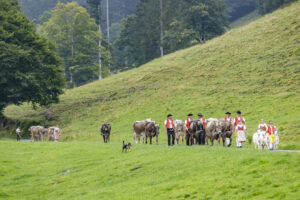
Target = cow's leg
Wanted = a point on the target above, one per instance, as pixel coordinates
(146, 139)
(134, 137)
(156, 139)
(224, 140)
(212, 141)
(206, 140)
(107, 139)
(151, 140)
(182, 139)
(103, 138)
(230, 142)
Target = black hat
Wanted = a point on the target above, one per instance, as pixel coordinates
(200, 115)
(228, 113)
(169, 115)
(239, 112)
(190, 114)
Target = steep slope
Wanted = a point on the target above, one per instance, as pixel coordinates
(255, 68)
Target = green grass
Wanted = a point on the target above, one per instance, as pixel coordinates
(246, 19)
(255, 68)
(100, 171)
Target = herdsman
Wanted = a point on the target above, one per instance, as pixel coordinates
(169, 127)
(202, 119)
(187, 123)
(228, 118)
(240, 133)
(271, 131)
(18, 132)
(239, 117)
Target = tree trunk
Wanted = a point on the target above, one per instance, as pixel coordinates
(107, 20)
(161, 29)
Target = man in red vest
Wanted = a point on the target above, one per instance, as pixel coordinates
(239, 117)
(169, 127)
(202, 119)
(187, 123)
(228, 118)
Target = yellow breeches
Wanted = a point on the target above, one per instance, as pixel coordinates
(271, 137)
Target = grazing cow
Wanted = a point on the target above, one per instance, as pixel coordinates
(37, 133)
(211, 131)
(105, 132)
(139, 129)
(200, 132)
(179, 131)
(151, 130)
(227, 129)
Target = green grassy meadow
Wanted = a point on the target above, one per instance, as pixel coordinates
(101, 171)
(255, 68)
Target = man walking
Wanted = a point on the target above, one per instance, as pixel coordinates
(228, 118)
(188, 120)
(202, 119)
(169, 127)
(18, 132)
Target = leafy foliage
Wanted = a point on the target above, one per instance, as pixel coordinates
(239, 8)
(76, 36)
(29, 66)
(185, 23)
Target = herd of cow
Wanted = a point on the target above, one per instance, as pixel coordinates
(38, 133)
(197, 133)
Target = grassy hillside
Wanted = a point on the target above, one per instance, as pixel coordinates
(255, 68)
(90, 170)
(246, 19)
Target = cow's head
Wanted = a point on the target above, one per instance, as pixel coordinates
(219, 128)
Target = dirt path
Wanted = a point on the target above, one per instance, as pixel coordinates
(290, 151)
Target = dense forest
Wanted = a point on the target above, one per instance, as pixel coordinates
(117, 35)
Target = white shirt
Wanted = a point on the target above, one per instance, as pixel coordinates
(186, 122)
(170, 122)
(18, 130)
(239, 118)
(261, 125)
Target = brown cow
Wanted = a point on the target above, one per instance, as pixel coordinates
(179, 130)
(227, 128)
(191, 133)
(105, 132)
(211, 131)
(139, 129)
(151, 130)
(37, 133)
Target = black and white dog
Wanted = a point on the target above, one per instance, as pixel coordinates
(126, 147)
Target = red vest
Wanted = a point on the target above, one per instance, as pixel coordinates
(203, 121)
(236, 121)
(241, 128)
(271, 130)
(230, 119)
(168, 123)
(188, 122)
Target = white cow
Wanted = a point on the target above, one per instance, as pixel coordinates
(255, 140)
(276, 140)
